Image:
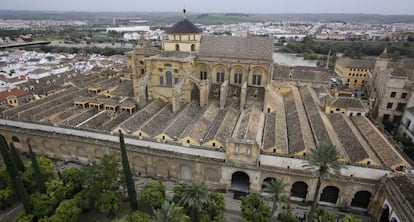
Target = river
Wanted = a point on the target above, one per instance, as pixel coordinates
(292, 60)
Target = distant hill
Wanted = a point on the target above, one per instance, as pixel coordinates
(204, 18)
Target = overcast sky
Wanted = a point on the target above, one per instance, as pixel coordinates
(250, 6)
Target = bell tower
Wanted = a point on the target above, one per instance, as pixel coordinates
(184, 36)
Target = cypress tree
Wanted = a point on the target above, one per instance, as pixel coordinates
(39, 178)
(16, 157)
(24, 197)
(132, 195)
(11, 167)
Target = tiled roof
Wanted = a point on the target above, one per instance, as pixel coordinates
(320, 133)
(301, 73)
(183, 27)
(134, 123)
(379, 144)
(405, 184)
(356, 63)
(11, 92)
(346, 102)
(224, 125)
(159, 121)
(296, 125)
(353, 148)
(250, 125)
(190, 112)
(255, 48)
(294, 132)
(112, 123)
(123, 89)
(198, 129)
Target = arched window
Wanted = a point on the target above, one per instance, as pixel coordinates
(257, 78)
(220, 75)
(203, 74)
(193, 47)
(168, 76)
(361, 199)
(238, 76)
(177, 47)
(299, 190)
(330, 195)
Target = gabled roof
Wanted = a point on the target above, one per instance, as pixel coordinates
(183, 27)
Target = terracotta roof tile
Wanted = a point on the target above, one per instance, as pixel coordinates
(11, 92)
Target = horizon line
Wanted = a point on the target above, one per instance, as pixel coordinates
(197, 12)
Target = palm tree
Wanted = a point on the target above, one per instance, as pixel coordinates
(323, 162)
(194, 197)
(170, 213)
(276, 188)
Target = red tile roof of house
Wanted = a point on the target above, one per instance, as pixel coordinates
(11, 92)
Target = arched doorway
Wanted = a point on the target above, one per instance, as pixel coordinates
(268, 180)
(330, 195)
(186, 172)
(240, 184)
(385, 214)
(361, 199)
(299, 190)
(195, 93)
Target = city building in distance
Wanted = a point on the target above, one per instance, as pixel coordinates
(219, 110)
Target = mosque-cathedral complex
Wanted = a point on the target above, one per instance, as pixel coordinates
(218, 109)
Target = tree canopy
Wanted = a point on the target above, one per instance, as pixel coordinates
(153, 194)
(170, 212)
(253, 208)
